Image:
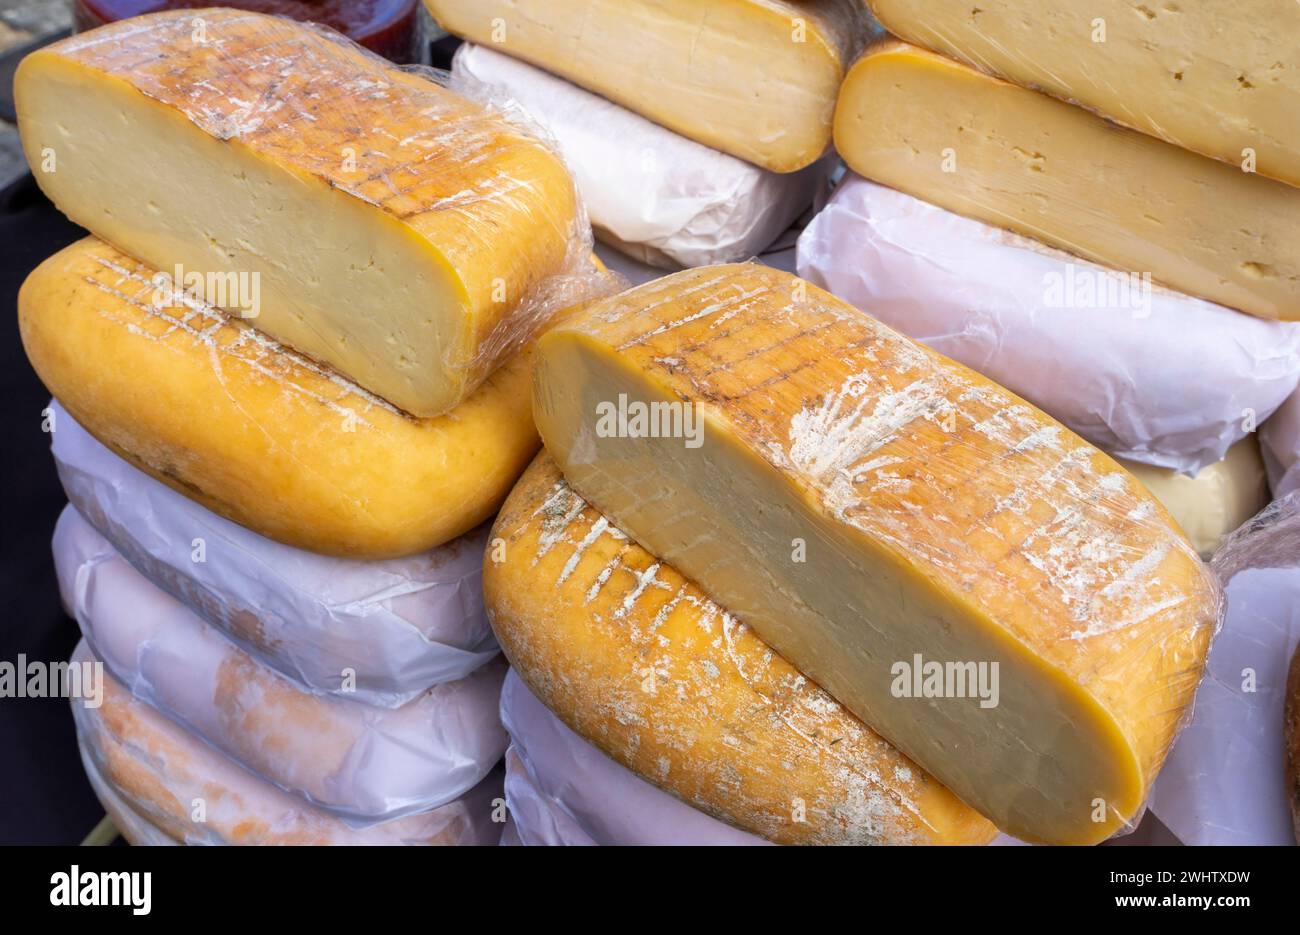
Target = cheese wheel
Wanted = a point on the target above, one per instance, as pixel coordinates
(636, 660)
(259, 434)
(753, 78)
(1209, 76)
(1217, 500)
(193, 794)
(999, 599)
(363, 215)
(1027, 162)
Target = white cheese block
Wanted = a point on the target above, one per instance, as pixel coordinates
(356, 761)
(753, 78)
(1210, 505)
(1145, 373)
(1225, 780)
(658, 196)
(563, 791)
(191, 793)
(1279, 439)
(1214, 76)
(397, 626)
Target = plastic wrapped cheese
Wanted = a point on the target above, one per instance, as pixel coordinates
(389, 227)
(1279, 440)
(753, 78)
(131, 825)
(395, 626)
(562, 790)
(257, 432)
(1145, 373)
(357, 761)
(1225, 780)
(660, 197)
(191, 793)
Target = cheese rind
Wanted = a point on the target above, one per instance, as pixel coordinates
(638, 661)
(1027, 162)
(1217, 500)
(1212, 76)
(256, 433)
(371, 219)
(861, 502)
(753, 78)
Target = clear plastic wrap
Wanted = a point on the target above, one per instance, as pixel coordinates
(659, 197)
(363, 763)
(1166, 379)
(190, 793)
(397, 626)
(871, 509)
(563, 791)
(1279, 441)
(753, 78)
(1225, 780)
(331, 177)
(134, 827)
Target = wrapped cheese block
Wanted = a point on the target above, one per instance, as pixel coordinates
(1027, 162)
(1225, 782)
(563, 791)
(1217, 500)
(660, 197)
(753, 78)
(395, 627)
(346, 757)
(636, 660)
(404, 235)
(1211, 76)
(257, 433)
(1144, 373)
(193, 794)
(1279, 439)
(1002, 601)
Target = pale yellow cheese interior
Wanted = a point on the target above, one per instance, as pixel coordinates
(1217, 500)
(753, 78)
(397, 232)
(1216, 76)
(1021, 160)
(859, 500)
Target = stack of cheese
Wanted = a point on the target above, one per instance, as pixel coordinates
(1041, 243)
(1006, 628)
(696, 132)
(280, 447)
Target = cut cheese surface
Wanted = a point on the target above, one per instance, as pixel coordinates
(362, 215)
(260, 435)
(1029, 163)
(1214, 76)
(641, 663)
(753, 78)
(874, 510)
(1217, 500)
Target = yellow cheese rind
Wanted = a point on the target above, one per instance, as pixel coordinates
(263, 436)
(406, 236)
(1217, 500)
(1024, 161)
(1215, 76)
(860, 500)
(637, 660)
(753, 78)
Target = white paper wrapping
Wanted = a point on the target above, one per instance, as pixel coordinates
(401, 625)
(190, 793)
(358, 761)
(561, 790)
(1279, 442)
(1173, 383)
(1224, 781)
(661, 197)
